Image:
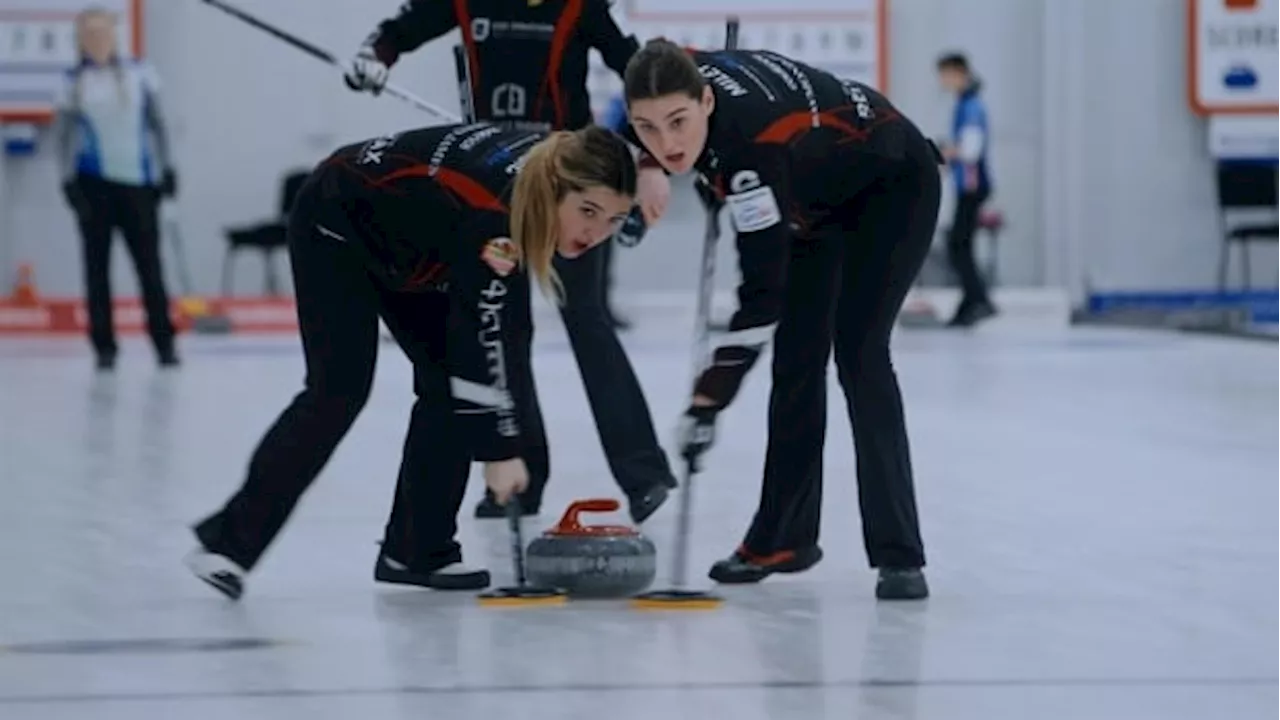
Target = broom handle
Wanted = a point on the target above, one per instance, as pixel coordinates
(514, 511)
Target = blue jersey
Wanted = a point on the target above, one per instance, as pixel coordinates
(970, 132)
(113, 123)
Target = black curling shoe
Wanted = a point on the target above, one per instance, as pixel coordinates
(642, 505)
(901, 584)
(743, 567)
(454, 576)
(219, 571)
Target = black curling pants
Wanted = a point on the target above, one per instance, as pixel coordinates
(339, 304)
(845, 287)
(618, 405)
(964, 226)
(132, 210)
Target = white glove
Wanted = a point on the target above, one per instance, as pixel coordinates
(365, 72)
(695, 434)
(505, 478)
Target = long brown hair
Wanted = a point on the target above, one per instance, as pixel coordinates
(562, 163)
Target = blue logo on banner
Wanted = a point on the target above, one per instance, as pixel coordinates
(1240, 77)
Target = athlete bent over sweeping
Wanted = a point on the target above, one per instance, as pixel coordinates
(435, 231)
(527, 67)
(834, 195)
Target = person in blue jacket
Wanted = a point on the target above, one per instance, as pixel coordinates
(966, 154)
(115, 167)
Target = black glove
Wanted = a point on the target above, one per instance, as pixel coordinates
(74, 193)
(696, 434)
(633, 229)
(168, 184)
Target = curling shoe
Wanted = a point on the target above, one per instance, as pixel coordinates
(218, 571)
(970, 314)
(901, 584)
(743, 567)
(167, 358)
(644, 504)
(454, 576)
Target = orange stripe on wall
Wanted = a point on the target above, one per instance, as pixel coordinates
(138, 18)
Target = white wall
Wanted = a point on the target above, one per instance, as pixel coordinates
(1100, 168)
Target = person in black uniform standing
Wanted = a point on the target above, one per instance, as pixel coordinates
(834, 195)
(436, 231)
(527, 67)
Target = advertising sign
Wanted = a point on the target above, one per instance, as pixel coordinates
(1233, 56)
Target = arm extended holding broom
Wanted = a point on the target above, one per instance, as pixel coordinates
(327, 57)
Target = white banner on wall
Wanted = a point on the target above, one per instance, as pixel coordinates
(1244, 137)
(1233, 56)
(844, 37)
(37, 46)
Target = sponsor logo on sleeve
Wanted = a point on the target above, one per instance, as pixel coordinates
(501, 255)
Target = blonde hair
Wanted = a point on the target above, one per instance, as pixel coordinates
(562, 163)
(96, 12)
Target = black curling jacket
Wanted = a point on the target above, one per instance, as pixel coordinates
(788, 146)
(526, 59)
(428, 211)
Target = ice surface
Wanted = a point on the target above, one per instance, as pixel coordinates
(1099, 509)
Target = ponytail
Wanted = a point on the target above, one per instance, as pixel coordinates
(562, 163)
(535, 199)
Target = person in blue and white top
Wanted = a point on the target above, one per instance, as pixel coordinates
(966, 153)
(116, 167)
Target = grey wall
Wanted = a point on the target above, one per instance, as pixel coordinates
(1128, 187)
(1101, 168)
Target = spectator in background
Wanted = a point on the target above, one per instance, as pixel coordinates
(115, 164)
(966, 153)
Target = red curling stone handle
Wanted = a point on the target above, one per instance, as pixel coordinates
(570, 524)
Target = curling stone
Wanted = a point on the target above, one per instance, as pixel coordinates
(591, 561)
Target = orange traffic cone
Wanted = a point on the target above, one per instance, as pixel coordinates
(24, 290)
